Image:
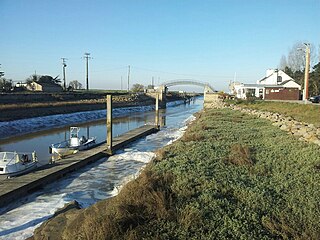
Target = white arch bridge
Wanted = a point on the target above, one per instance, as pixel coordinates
(161, 91)
(207, 86)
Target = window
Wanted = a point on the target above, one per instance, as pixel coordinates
(279, 79)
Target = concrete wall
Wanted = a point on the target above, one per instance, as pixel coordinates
(211, 99)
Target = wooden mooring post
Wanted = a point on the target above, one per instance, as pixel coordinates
(157, 112)
(109, 124)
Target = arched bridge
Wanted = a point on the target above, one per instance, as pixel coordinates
(161, 91)
(207, 87)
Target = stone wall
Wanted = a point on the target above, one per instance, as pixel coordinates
(303, 131)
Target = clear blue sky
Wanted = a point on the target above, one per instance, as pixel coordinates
(165, 39)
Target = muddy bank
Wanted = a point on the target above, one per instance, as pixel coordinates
(15, 110)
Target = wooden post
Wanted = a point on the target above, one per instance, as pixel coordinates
(306, 73)
(109, 123)
(157, 111)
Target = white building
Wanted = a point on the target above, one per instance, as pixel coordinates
(274, 79)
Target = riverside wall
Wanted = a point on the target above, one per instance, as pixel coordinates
(303, 131)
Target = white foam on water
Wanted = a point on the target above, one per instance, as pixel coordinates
(20, 222)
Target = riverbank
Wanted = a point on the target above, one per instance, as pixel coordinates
(37, 105)
(230, 176)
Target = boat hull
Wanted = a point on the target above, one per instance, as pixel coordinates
(16, 170)
(63, 149)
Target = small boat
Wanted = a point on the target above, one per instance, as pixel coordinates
(73, 145)
(14, 164)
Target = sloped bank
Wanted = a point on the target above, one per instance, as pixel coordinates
(231, 176)
(43, 105)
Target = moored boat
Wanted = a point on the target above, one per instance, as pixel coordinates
(13, 163)
(73, 144)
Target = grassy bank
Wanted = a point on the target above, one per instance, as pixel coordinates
(231, 176)
(309, 113)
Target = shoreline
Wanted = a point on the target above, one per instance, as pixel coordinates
(11, 112)
(189, 187)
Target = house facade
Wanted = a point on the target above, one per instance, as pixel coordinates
(276, 85)
(44, 87)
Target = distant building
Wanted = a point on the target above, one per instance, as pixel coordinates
(277, 85)
(44, 87)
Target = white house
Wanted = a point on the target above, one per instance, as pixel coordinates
(274, 79)
(278, 77)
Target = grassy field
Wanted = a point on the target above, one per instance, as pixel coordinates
(231, 176)
(309, 113)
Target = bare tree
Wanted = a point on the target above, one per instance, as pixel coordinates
(297, 59)
(283, 62)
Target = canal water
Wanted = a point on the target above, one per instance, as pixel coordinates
(97, 181)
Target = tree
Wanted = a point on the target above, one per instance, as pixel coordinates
(296, 59)
(137, 88)
(314, 80)
(49, 79)
(283, 62)
(32, 78)
(5, 85)
(75, 84)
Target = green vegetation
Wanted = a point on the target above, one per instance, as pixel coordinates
(309, 113)
(231, 176)
(101, 91)
(137, 88)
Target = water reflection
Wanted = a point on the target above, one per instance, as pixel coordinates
(40, 141)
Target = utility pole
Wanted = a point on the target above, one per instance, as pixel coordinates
(128, 78)
(86, 56)
(306, 73)
(64, 65)
(152, 82)
(1, 72)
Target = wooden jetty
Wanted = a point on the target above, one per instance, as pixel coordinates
(14, 188)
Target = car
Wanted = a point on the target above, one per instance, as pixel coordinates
(315, 99)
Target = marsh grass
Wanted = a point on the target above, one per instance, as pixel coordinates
(225, 179)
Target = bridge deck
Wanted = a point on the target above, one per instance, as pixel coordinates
(17, 187)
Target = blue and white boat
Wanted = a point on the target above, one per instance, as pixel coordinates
(73, 144)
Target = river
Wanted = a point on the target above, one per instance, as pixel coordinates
(97, 181)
